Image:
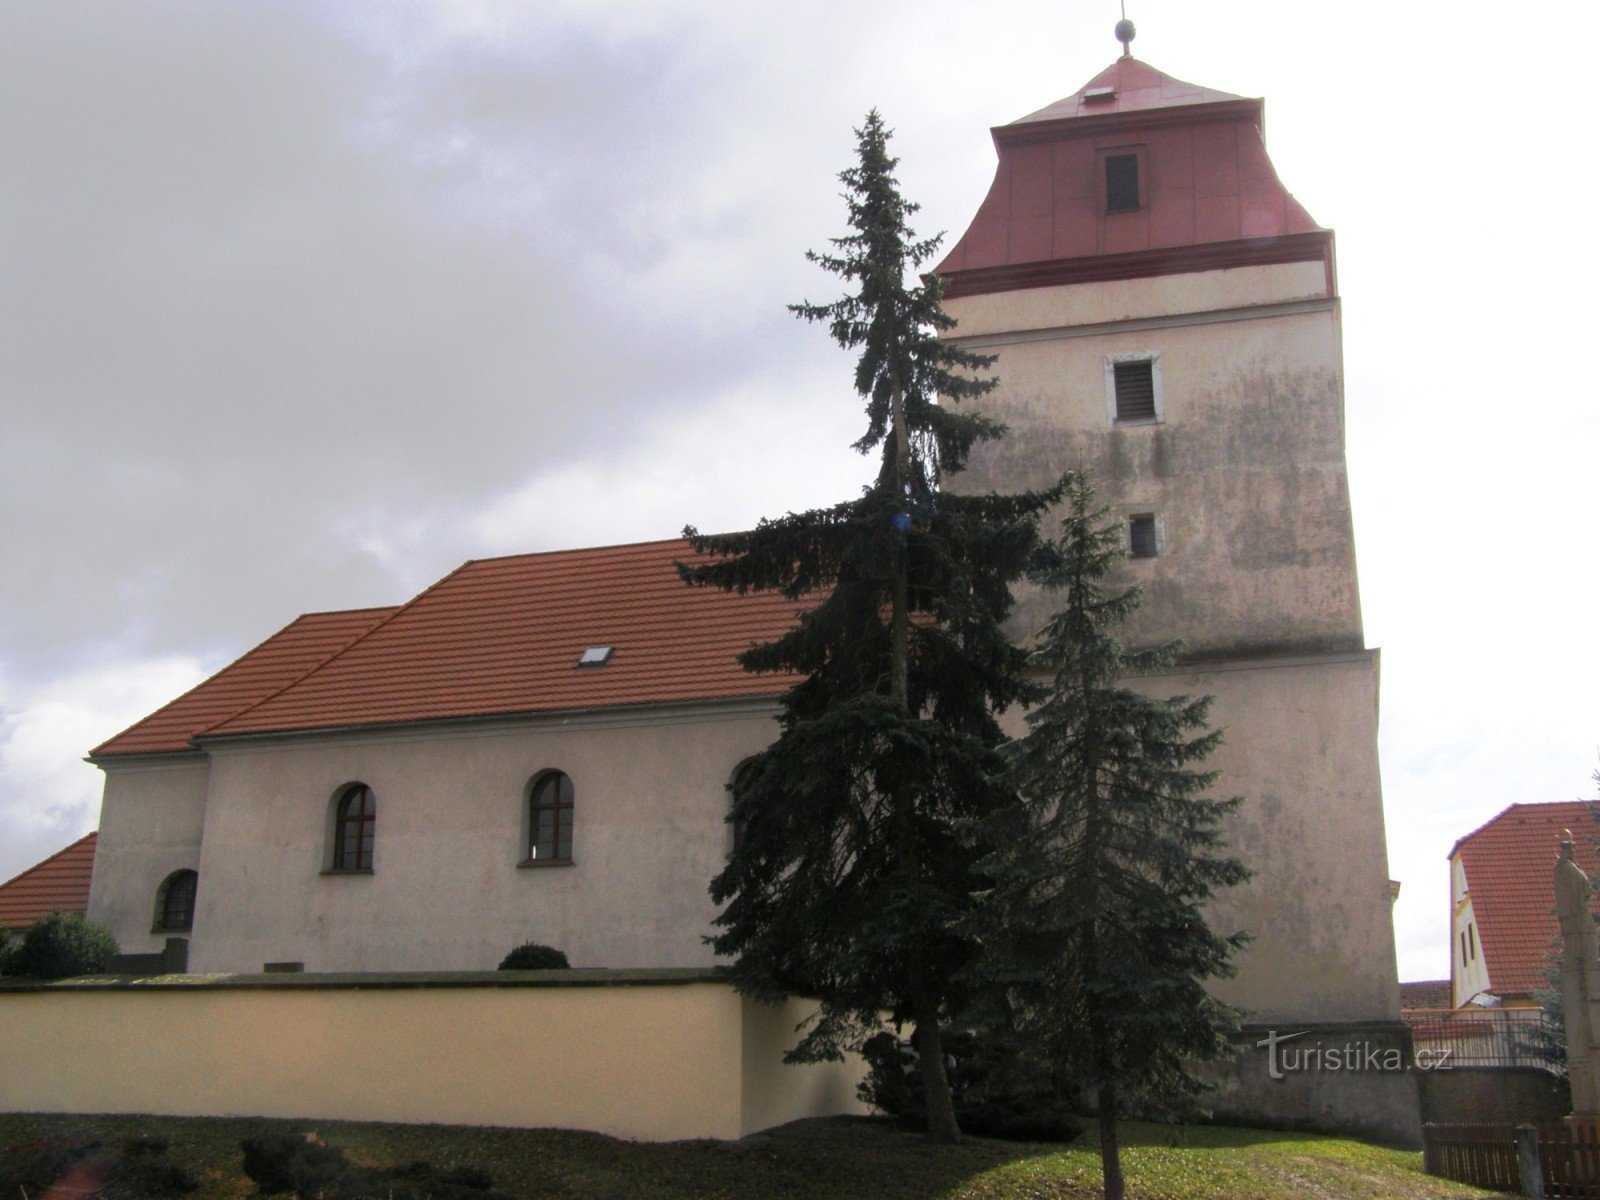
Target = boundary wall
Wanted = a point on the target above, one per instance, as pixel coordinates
(653, 1055)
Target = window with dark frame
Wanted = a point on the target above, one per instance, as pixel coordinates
(1122, 183)
(175, 903)
(1142, 537)
(354, 826)
(1135, 384)
(550, 819)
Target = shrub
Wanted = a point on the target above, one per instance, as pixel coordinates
(60, 946)
(996, 1093)
(301, 1164)
(530, 956)
(28, 1167)
(291, 1162)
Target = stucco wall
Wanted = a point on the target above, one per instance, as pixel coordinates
(151, 821)
(1299, 746)
(652, 1061)
(446, 891)
(1245, 471)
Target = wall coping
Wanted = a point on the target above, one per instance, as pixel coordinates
(374, 980)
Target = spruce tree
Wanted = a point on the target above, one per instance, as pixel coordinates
(1099, 945)
(853, 874)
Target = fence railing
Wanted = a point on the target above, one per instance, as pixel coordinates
(1482, 1155)
(1486, 1037)
(1555, 1161)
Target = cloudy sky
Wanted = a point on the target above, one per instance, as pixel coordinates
(302, 303)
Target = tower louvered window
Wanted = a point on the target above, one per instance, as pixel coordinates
(1136, 390)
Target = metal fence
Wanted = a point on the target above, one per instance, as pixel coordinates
(1486, 1037)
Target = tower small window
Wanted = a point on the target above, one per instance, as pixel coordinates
(1122, 183)
(1142, 536)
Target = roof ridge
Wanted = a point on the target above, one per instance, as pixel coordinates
(359, 638)
(45, 862)
(568, 550)
(1592, 805)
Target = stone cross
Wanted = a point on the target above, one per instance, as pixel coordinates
(1580, 981)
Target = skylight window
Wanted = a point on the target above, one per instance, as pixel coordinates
(1099, 95)
(595, 656)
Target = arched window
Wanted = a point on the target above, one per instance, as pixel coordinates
(175, 903)
(550, 819)
(354, 822)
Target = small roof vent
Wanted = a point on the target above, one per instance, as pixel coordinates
(1099, 95)
(595, 656)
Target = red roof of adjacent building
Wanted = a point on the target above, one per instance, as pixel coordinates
(1209, 196)
(502, 636)
(1425, 993)
(1509, 864)
(59, 884)
(280, 660)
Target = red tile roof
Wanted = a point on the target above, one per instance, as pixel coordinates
(1426, 993)
(502, 636)
(1509, 863)
(59, 883)
(276, 662)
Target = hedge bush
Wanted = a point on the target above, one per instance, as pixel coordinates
(530, 956)
(59, 946)
(996, 1092)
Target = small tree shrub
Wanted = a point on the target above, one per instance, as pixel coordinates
(301, 1164)
(58, 947)
(28, 1167)
(145, 1171)
(995, 1092)
(530, 956)
(290, 1162)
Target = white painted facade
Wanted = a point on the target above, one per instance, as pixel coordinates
(446, 891)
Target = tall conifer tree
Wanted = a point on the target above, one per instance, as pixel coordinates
(1097, 938)
(853, 874)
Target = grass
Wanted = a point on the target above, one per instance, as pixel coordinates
(838, 1159)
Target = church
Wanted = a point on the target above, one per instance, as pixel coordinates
(538, 747)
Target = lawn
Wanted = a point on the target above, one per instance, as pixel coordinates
(839, 1159)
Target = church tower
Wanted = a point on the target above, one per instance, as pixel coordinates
(1166, 317)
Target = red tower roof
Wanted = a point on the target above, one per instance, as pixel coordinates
(1206, 195)
(1135, 87)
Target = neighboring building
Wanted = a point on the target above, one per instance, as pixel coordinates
(383, 789)
(1165, 316)
(1503, 930)
(1425, 995)
(59, 884)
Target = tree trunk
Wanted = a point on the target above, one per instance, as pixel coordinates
(941, 1110)
(900, 603)
(1110, 1157)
